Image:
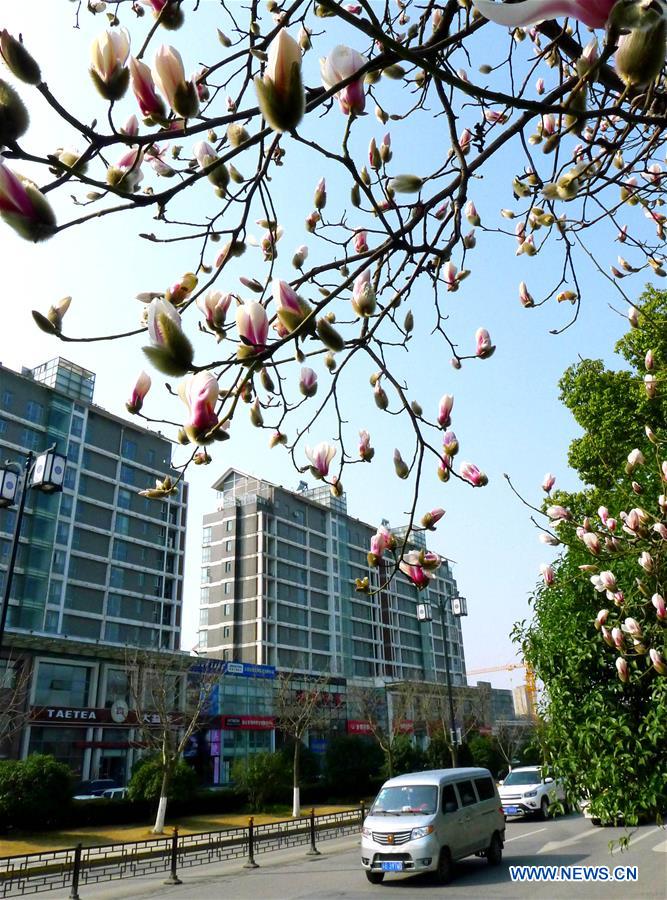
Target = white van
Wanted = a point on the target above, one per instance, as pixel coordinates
(423, 821)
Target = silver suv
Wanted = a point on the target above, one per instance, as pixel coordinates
(526, 792)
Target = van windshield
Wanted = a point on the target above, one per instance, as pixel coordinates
(412, 799)
(523, 778)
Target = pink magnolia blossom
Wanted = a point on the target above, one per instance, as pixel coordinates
(659, 603)
(450, 276)
(646, 561)
(199, 392)
(430, 519)
(658, 661)
(150, 103)
(484, 347)
(131, 127)
(139, 392)
(156, 310)
(169, 75)
(617, 638)
(415, 570)
(593, 13)
(547, 573)
(558, 513)
(548, 483)
(363, 295)
(539, 86)
(360, 244)
(320, 458)
(592, 542)
(366, 452)
(308, 382)
(622, 669)
(605, 581)
(525, 297)
(253, 324)
(450, 443)
(445, 410)
(632, 627)
(215, 306)
(285, 297)
(470, 473)
(340, 64)
(127, 174)
(464, 140)
(109, 53)
(23, 207)
(601, 618)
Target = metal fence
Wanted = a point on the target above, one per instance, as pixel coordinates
(77, 866)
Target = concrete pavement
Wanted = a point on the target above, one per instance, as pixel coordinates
(569, 841)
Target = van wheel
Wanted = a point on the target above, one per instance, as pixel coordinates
(544, 808)
(494, 853)
(443, 874)
(375, 877)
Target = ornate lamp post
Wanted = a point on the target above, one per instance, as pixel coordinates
(45, 473)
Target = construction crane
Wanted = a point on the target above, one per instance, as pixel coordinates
(531, 689)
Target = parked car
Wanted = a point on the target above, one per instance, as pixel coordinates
(116, 793)
(527, 791)
(95, 788)
(424, 821)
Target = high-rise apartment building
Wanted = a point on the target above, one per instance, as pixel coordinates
(278, 588)
(97, 562)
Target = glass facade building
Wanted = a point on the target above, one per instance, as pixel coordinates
(278, 588)
(96, 562)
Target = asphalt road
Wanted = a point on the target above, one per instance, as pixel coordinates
(290, 875)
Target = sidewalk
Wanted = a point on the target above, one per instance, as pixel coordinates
(148, 886)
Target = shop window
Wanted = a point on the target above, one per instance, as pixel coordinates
(62, 684)
(64, 744)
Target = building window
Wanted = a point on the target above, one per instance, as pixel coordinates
(60, 684)
(129, 449)
(206, 554)
(62, 533)
(228, 547)
(117, 576)
(204, 595)
(3, 426)
(228, 609)
(76, 427)
(66, 502)
(150, 457)
(73, 451)
(228, 566)
(124, 498)
(120, 550)
(122, 523)
(228, 587)
(64, 744)
(205, 575)
(203, 617)
(7, 399)
(70, 477)
(34, 411)
(203, 639)
(206, 535)
(127, 474)
(113, 605)
(58, 565)
(51, 621)
(229, 525)
(30, 439)
(226, 631)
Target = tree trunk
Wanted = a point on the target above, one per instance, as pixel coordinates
(158, 828)
(296, 798)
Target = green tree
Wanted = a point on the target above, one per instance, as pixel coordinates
(353, 763)
(264, 776)
(597, 638)
(34, 792)
(147, 776)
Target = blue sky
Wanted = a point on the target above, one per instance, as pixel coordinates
(506, 415)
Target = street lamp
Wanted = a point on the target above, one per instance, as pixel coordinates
(459, 606)
(45, 473)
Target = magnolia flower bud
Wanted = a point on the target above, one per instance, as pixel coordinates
(17, 59)
(280, 91)
(380, 396)
(406, 184)
(400, 466)
(329, 336)
(14, 117)
(622, 669)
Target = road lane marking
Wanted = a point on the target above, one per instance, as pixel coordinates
(660, 848)
(637, 840)
(525, 834)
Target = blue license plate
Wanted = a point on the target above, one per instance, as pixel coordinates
(392, 866)
(511, 810)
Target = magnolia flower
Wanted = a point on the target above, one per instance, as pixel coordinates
(635, 458)
(109, 53)
(215, 306)
(320, 458)
(631, 626)
(548, 483)
(360, 244)
(139, 392)
(525, 297)
(646, 561)
(400, 466)
(127, 174)
(605, 581)
(547, 573)
(290, 308)
(56, 313)
(657, 661)
(413, 567)
(617, 638)
(280, 91)
(300, 256)
(23, 207)
(253, 324)
(199, 393)
(171, 352)
(547, 538)
(131, 127)
(366, 452)
(363, 295)
(342, 63)
(659, 603)
(308, 382)
(471, 213)
(484, 346)
(445, 410)
(320, 198)
(430, 519)
(601, 618)
(450, 276)
(593, 13)
(470, 473)
(622, 669)
(450, 443)
(558, 512)
(650, 386)
(170, 77)
(592, 542)
(381, 541)
(150, 103)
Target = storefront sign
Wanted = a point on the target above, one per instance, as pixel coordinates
(249, 723)
(227, 667)
(66, 715)
(354, 726)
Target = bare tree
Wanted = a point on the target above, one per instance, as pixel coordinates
(510, 738)
(170, 703)
(14, 710)
(371, 705)
(433, 710)
(298, 708)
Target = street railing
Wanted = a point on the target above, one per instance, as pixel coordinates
(78, 866)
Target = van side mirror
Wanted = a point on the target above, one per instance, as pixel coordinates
(548, 780)
(501, 783)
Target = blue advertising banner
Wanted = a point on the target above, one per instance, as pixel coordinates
(227, 667)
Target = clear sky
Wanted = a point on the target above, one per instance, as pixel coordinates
(506, 415)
